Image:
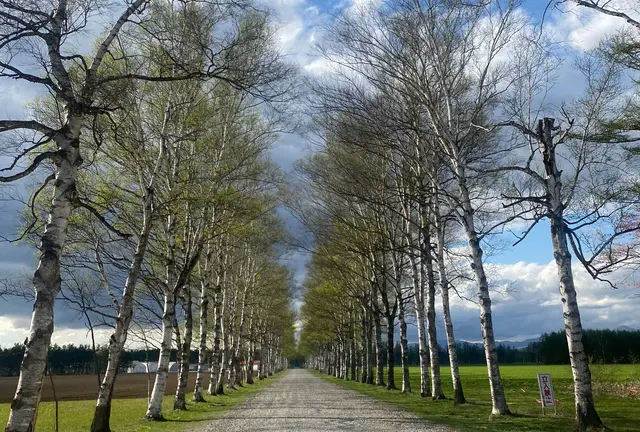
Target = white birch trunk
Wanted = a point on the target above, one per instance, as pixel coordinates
(498, 399)
(458, 393)
(185, 352)
(215, 349)
(339, 360)
(46, 279)
(586, 415)
(364, 347)
(379, 365)
(224, 351)
(261, 343)
(202, 351)
(353, 355)
(251, 352)
(370, 345)
(238, 340)
(391, 380)
(434, 352)
(230, 330)
(418, 296)
(154, 411)
(270, 357)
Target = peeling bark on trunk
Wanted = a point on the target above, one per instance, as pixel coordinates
(46, 279)
(215, 349)
(180, 402)
(230, 330)
(154, 411)
(458, 393)
(434, 355)
(586, 415)
(498, 399)
(202, 351)
(238, 339)
(268, 370)
(223, 359)
(418, 296)
(252, 348)
(224, 350)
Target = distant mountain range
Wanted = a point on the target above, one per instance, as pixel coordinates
(518, 344)
(524, 343)
(514, 344)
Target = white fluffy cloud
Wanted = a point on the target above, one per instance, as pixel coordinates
(531, 305)
(584, 28)
(14, 330)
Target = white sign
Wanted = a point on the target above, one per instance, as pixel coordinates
(546, 390)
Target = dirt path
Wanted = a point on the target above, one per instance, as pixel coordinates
(301, 401)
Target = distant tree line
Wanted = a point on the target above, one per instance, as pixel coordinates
(472, 354)
(601, 346)
(80, 359)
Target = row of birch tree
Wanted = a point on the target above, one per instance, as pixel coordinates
(441, 132)
(153, 141)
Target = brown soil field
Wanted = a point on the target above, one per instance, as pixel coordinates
(85, 387)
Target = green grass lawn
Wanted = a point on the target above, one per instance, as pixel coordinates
(127, 414)
(618, 410)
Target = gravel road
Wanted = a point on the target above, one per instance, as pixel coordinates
(300, 401)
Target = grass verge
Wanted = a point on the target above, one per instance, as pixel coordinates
(127, 414)
(620, 412)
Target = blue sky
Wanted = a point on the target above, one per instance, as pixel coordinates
(529, 307)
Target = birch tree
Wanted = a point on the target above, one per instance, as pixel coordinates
(36, 25)
(78, 83)
(566, 176)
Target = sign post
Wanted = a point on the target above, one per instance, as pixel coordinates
(547, 398)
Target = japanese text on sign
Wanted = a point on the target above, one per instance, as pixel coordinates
(546, 390)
